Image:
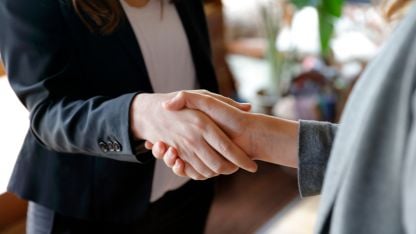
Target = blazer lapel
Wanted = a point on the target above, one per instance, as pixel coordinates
(198, 42)
(130, 43)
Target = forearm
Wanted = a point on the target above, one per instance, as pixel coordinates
(305, 145)
(45, 72)
(274, 140)
(98, 126)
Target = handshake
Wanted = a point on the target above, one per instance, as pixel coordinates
(201, 135)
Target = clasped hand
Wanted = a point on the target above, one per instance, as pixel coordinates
(197, 133)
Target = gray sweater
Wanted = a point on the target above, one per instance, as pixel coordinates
(365, 168)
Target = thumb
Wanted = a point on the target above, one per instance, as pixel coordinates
(244, 106)
(176, 103)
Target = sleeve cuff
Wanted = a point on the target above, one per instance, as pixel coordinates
(122, 145)
(315, 143)
(142, 154)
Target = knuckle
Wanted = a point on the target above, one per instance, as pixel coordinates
(204, 91)
(219, 168)
(191, 141)
(208, 100)
(226, 148)
(182, 93)
(185, 157)
(200, 123)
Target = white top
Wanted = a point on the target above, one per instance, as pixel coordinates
(168, 59)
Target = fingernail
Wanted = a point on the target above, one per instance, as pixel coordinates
(254, 168)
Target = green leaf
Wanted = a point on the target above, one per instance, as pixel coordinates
(326, 29)
(303, 3)
(333, 7)
(329, 11)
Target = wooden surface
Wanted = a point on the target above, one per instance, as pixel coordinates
(12, 211)
(16, 228)
(215, 18)
(2, 72)
(245, 202)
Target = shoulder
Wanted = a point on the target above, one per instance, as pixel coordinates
(39, 4)
(31, 7)
(18, 12)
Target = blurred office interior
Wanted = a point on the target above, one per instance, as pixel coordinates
(269, 53)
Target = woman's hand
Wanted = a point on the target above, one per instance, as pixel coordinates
(231, 116)
(205, 148)
(263, 137)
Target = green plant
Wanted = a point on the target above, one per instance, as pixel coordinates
(271, 23)
(329, 11)
(280, 63)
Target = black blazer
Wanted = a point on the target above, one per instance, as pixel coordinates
(78, 157)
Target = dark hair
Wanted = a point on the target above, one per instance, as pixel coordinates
(99, 16)
(102, 16)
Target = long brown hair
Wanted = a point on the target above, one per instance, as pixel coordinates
(100, 16)
(103, 16)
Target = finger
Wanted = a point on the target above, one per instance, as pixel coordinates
(245, 107)
(229, 101)
(179, 168)
(226, 116)
(176, 103)
(224, 146)
(196, 163)
(190, 172)
(214, 161)
(170, 157)
(183, 169)
(159, 150)
(148, 145)
(199, 99)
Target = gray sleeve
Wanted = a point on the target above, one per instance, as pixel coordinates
(315, 143)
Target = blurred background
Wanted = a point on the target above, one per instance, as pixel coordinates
(297, 59)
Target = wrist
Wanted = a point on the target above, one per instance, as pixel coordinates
(138, 116)
(252, 131)
(275, 140)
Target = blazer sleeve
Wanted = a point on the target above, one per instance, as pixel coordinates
(35, 48)
(315, 144)
(409, 181)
